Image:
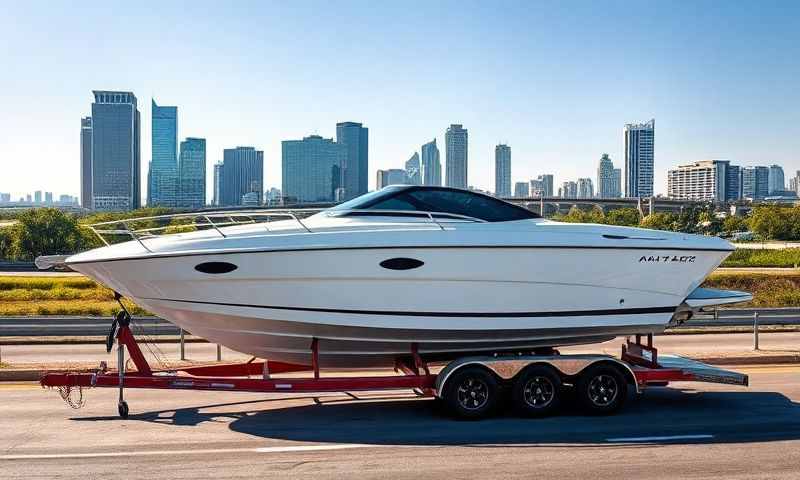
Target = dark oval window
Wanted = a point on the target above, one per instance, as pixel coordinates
(215, 267)
(401, 263)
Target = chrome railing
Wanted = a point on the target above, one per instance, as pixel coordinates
(217, 220)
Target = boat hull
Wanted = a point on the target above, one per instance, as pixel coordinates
(459, 300)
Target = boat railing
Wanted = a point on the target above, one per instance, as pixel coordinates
(143, 228)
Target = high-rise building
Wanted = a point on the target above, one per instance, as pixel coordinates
(355, 167)
(733, 183)
(755, 182)
(639, 158)
(794, 183)
(116, 158)
(777, 182)
(502, 170)
(274, 197)
(48, 198)
(192, 173)
(413, 171)
(5, 198)
(393, 176)
(537, 188)
(162, 176)
(311, 169)
(217, 176)
(431, 166)
(546, 182)
(608, 179)
(568, 190)
(242, 172)
(37, 196)
(585, 188)
(86, 162)
(521, 190)
(705, 180)
(456, 147)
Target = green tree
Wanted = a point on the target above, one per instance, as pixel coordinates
(774, 222)
(576, 215)
(5, 243)
(660, 221)
(623, 216)
(44, 231)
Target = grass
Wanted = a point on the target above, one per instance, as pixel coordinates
(749, 257)
(58, 296)
(81, 296)
(768, 290)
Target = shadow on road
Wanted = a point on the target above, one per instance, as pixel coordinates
(727, 416)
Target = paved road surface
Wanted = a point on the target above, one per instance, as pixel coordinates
(689, 345)
(713, 431)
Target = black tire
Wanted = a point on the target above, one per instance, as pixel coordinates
(537, 391)
(471, 393)
(601, 389)
(122, 408)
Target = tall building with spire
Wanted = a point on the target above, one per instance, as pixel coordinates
(431, 166)
(639, 158)
(116, 155)
(162, 175)
(456, 157)
(502, 171)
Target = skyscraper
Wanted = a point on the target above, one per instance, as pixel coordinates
(608, 179)
(311, 169)
(192, 173)
(455, 140)
(546, 182)
(704, 180)
(355, 168)
(393, 176)
(777, 182)
(413, 171)
(431, 166)
(568, 190)
(242, 172)
(755, 182)
(639, 159)
(217, 176)
(585, 188)
(794, 183)
(116, 158)
(502, 170)
(162, 175)
(522, 190)
(733, 183)
(86, 162)
(48, 198)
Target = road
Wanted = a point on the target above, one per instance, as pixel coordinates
(689, 345)
(697, 431)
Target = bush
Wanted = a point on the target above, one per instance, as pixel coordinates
(44, 231)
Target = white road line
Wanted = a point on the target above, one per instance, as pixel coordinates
(659, 439)
(281, 449)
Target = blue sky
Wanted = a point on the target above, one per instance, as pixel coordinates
(555, 80)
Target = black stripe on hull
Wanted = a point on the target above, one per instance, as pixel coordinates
(402, 313)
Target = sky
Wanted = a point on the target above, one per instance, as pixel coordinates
(556, 81)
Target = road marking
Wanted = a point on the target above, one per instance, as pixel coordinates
(659, 438)
(281, 449)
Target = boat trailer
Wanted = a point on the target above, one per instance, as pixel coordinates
(469, 386)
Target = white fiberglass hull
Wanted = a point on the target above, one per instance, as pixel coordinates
(462, 299)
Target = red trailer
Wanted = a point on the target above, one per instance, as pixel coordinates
(471, 387)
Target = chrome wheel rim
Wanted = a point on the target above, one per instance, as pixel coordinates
(538, 392)
(603, 390)
(473, 393)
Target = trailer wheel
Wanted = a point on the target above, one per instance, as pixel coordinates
(537, 391)
(601, 389)
(471, 393)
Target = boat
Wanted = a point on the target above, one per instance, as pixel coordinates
(437, 271)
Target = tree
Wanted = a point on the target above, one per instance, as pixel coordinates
(44, 231)
(733, 224)
(660, 221)
(5, 243)
(576, 215)
(774, 222)
(623, 216)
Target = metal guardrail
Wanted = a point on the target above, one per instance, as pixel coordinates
(58, 326)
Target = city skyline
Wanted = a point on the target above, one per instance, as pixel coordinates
(266, 88)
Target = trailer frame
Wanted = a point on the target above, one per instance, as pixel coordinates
(639, 364)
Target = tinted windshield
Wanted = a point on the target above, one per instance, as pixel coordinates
(439, 199)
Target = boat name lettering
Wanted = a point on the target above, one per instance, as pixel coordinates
(667, 259)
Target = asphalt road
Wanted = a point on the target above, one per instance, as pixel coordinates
(692, 430)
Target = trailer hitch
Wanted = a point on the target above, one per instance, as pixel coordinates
(121, 319)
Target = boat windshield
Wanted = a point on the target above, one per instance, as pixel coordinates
(438, 199)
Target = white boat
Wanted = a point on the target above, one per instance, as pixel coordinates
(440, 270)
